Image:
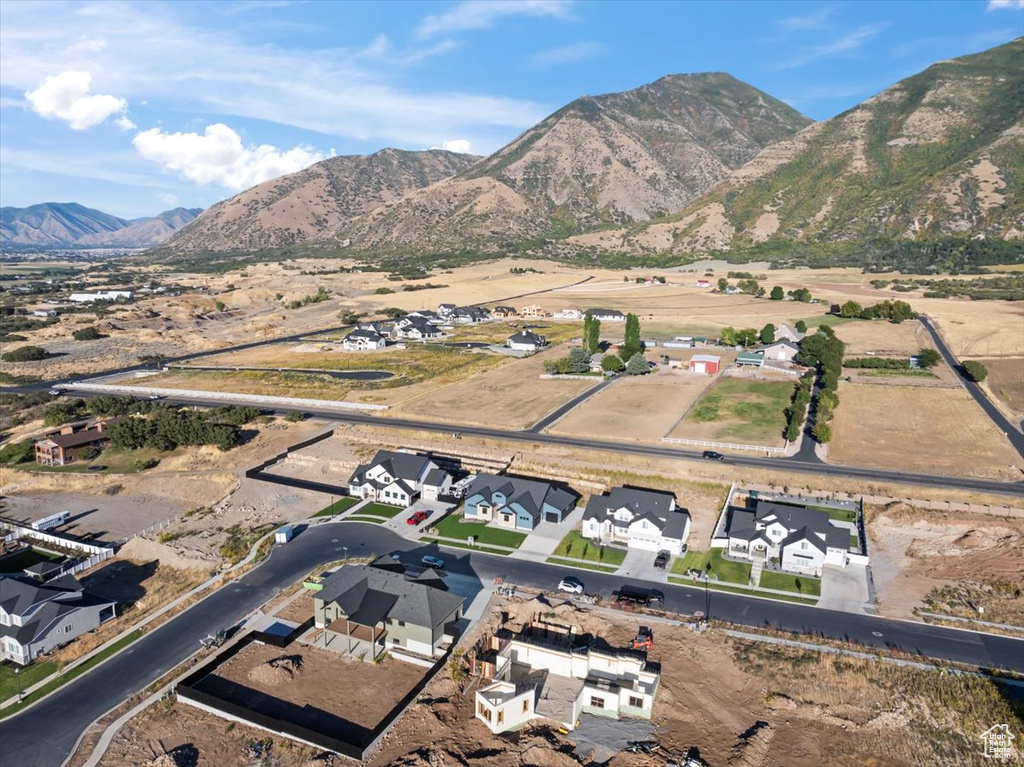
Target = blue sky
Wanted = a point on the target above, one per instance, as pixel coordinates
(137, 107)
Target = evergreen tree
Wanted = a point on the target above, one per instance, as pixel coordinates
(767, 334)
(637, 365)
(631, 345)
(777, 294)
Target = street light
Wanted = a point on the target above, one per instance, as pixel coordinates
(17, 676)
(345, 550)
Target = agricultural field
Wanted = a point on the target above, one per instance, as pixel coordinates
(883, 338)
(510, 395)
(1006, 382)
(740, 410)
(642, 408)
(877, 425)
(975, 329)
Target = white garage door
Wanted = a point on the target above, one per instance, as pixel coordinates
(700, 367)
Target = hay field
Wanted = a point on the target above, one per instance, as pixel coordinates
(884, 338)
(1006, 382)
(927, 430)
(975, 329)
(740, 410)
(642, 408)
(511, 395)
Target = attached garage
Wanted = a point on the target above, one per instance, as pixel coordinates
(553, 516)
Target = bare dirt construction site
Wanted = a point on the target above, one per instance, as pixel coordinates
(738, 701)
(928, 430)
(916, 551)
(644, 408)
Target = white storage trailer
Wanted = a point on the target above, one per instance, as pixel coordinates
(283, 534)
(52, 521)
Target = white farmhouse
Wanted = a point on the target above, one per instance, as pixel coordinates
(640, 519)
(781, 351)
(399, 479)
(526, 341)
(362, 340)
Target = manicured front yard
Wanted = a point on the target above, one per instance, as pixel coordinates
(380, 510)
(798, 584)
(726, 570)
(339, 506)
(453, 526)
(575, 546)
(28, 676)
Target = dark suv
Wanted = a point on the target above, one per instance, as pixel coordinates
(713, 455)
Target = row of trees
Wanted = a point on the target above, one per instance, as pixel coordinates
(926, 358)
(797, 409)
(824, 352)
(894, 311)
(750, 336)
(167, 428)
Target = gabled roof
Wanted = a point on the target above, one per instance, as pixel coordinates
(404, 466)
(370, 592)
(784, 342)
(792, 517)
(365, 333)
(705, 358)
(78, 438)
(804, 534)
(527, 337)
(606, 312)
(530, 494)
(640, 502)
(435, 477)
(19, 594)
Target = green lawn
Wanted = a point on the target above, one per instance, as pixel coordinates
(339, 506)
(747, 410)
(72, 674)
(726, 570)
(114, 460)
(826, 319)
(584, 565)
(798, 584)
(748, 591)
(575, 546)
(27, 677)
(27, 558)
(453, 526)
(839, 515)
(380, 510)
(854, 542)
(368, 520)
(484, 549)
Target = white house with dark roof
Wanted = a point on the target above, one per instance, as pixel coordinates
(802, 540)
(607, 315)
(469, 315)
(516, 503)
(780, 351)
(785, 333)
(37, 617)
(640, 519)
(526, 341)
(399, 479)
(363, 340)
(415, 327)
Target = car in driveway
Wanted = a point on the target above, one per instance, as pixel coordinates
(661, 561)
(434, 562)
(417, 517)
(713, 455)
(571, 585)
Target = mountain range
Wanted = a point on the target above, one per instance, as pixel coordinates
(68, 224)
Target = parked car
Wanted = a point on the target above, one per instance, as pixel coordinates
(571, 585)
(661, 561)
(416, 518)
(55, 392)
(434, 562)
(713, 455)
(155, 396)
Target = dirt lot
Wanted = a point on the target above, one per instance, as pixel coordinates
(740, 703)
(914, 551)
(643, 408)
(510, 396)
(883, 338)
(1006, 381)
(950, 434)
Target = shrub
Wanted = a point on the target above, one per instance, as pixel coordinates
(87, 334)
(294, 416)
(17, 452)
(383, 291)
(637, 365)
(88, 453)
(975, 370)
(25, 354)
(928, 358)
(612, 364)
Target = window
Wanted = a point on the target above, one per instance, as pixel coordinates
(501, 717)
(636, 702)
(596, 702)
(483, 711)
(526, 706)
(401, 624)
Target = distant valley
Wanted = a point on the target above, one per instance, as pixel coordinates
(68, 224)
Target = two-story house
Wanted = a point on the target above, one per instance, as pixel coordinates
(415, 328)
(399, 479)
(515, 503)
(37, 617)
(363, 340)
(640, 519)
(802, 540)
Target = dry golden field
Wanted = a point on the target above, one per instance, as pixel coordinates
(511, 395)
(1006, 382)
(643, 408)
(927, 430)
(976, 329)
(883, 338)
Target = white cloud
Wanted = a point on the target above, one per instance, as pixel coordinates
(458, 145)
(124, 123)
(67, 96)
(218, 156)
(568, 54)
(167, 199)
(1001, 5)
(846, 44)
(482, 14)
(815, 20)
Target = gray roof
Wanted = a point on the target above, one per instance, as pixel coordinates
(372, 335)
(435, 477)
(793, 517)
(605, 312)
(59, 597)
(527, 337)
(374, 594)
(406, 466)
(675, 524)
(837, 538)
(640, 502)
(531, 494)
(742, 526)
(804, 534)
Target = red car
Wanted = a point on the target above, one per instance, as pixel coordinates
(418, 517)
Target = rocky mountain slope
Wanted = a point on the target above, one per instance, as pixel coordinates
(68, 224)
(939, 153)
(612, 159)
(312, 204)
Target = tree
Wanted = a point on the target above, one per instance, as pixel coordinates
(631, 345)
(221, 306)
(803, 295)
(728, 336)
(975, 370)
(777, 294)
(767, 334)
(928, 358)
(746, 337)
(579, 361)
(611, 363)
(723, 284)
(87, 334)
(850, 309)
(822, 432)
(25, 354)
(394, 312)
(801, 326)
(637, 365)
(294, 416)
(591, 334)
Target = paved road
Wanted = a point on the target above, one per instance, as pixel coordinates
(1014, 489)
(1002, 423)
(44, 735)
(554, 415)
